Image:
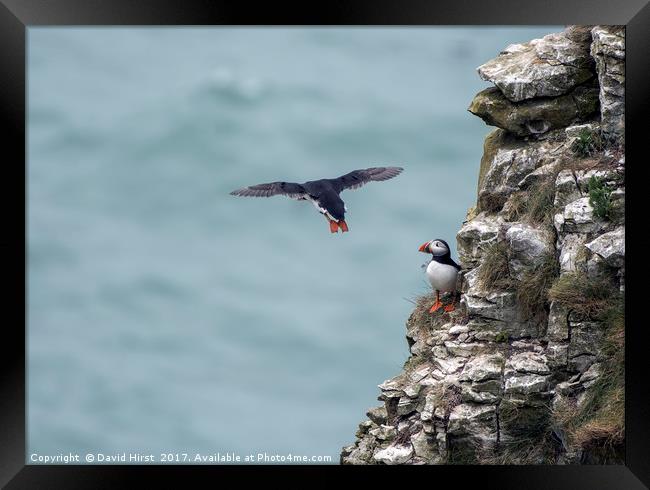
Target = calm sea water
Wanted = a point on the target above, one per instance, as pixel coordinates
(165, 315)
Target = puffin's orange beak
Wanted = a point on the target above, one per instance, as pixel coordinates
(424, 247)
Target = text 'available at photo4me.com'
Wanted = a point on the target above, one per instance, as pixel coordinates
(175, 458)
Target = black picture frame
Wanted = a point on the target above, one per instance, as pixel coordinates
(18, 15)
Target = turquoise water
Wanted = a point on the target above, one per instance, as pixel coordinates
(165, 315)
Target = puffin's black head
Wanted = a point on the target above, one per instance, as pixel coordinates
(437, 248)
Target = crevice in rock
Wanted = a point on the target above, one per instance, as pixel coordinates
(496, 416)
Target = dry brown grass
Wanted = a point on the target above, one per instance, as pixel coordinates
(539, 205)
(533, 288)
(538, 450)
(534, 205)
(420, 317)
(516, 206)
(598, 424)
(495, 268)
(591, 297)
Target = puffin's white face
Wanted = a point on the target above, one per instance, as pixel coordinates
(435, 247)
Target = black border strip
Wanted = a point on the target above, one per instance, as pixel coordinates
(16, 15)
(333, 12)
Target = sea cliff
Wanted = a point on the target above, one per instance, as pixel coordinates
(529, 368)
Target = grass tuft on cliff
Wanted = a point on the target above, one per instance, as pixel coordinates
(420, 317)
(540, 204)
(590, 297)
(533, 288)
(597, 425)
(421, 323)
(525, 450)
(534, 205)
(494, 272)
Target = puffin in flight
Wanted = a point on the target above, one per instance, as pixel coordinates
(323, 193)
(442, 271)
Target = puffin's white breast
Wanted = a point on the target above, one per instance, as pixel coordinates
(442, 276)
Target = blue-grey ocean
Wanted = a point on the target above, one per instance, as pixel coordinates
(165, 315)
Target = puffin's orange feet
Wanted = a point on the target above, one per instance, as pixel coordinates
(450, 307)
(334, 226)
(435, 306)
(343, 225)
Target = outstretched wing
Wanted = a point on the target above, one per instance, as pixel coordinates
(357, 178)
(289, 189)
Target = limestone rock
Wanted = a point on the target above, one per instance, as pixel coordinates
(458, 329)
(503, 308)
(525, 384)
(567, 388)
(566, 188)
(476, 420)
(557, 354)
(571, 185)
(585, 344)
(346, 451)
(577, 217)
(483, 367)
(507, 161)
(364, 428)
(535, 116)
(463, 349)
(528, 362)
(590, 376)
(424, 445)
(610, 246)
(572, 252)
(580, 363)
(406, 406)
(558, 322)
(378, 414)
(362, 454)
(539, 174)
(449, 366)
(384, 432)
(545, 67)
(493, 142)
(528, 247)
(430, 401)
(576, 130)
(474, 236)
(608, 49)
(474, 393)
(394, 387)
(396, 454)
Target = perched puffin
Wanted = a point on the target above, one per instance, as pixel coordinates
(323, 193)
(442, 271)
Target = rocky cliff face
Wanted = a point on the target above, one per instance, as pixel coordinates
(529, 369)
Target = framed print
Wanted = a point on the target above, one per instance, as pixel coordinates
(459, 306)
